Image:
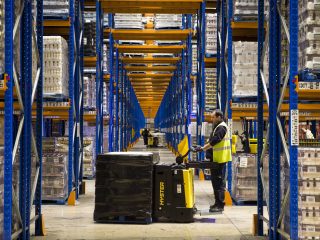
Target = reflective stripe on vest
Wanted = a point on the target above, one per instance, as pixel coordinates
(222, 150)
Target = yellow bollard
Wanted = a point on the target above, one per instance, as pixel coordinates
(227, 199)
(72, 199)
(201, 175)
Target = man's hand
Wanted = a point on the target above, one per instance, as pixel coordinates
(198, 149)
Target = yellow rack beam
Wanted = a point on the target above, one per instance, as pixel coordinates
(150, 60)
(150, 48)
(150, 68)
(151, 6)
(56, 27)
(90, 61)
(150, 75)
(210, 62)
(150, 34)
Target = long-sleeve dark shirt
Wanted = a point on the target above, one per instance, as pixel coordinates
(218, 135)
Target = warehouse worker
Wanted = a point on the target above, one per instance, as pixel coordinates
(308, 133)
(145, 135)
(220, 143)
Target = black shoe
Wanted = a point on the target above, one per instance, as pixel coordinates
(216, 209)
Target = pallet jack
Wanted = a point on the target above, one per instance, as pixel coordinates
(174, 189)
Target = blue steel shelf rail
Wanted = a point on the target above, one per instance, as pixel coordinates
(73, 30)
(26, 93)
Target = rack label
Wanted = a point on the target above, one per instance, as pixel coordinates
(243, 162)
(230, 128)
(295, 127)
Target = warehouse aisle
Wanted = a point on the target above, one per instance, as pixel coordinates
(65, 222)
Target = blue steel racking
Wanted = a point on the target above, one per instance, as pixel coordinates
(275, 133)
(174, 113)
(28, 194)
(125, 115)
(73, 29)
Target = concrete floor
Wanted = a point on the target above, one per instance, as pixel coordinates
(67, 222)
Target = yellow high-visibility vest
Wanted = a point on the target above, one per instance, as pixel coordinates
(222, 150)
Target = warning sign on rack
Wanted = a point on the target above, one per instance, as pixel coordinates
(295, 127)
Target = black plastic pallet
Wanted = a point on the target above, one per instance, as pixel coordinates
(126, 220)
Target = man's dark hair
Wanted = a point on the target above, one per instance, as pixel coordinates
(218, 113)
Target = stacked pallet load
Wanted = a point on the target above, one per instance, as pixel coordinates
(245, 10)
(56, 66)
(245, 69)
(211, 34)
(128, 21)
(89, 168)
(89, 91)
(309, 192)
(244, 177)
(89, 38)
(168, 21)
(211, 88)
(194, 58)
(55, 169)
(123, 191)
(56, 8)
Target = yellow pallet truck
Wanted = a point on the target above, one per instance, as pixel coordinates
(174, 190)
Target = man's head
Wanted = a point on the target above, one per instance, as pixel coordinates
(216, 116)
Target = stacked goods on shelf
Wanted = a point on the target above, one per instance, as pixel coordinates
(309, 193)
(55, 169)
(309, 29)
(128, 21)
(89, 16)
(211, 34)
(244, 177)
(245, 10)
(245, 69)
(56, 8)
(105, 58)
(105, 99)
(89, 91)
(2, 24)
(89, 38)
(105, 20)
(89, 157)
(172, 21)
(56, 66)
(124, 187)
(194, 58)
(211, 88)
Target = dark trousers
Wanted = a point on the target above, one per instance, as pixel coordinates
(145, 139)
(218, 174)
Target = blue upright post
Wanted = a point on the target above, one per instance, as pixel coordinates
(117, 101)
(72, 98)
(25, 146)
(8, 121)
(223, 87)
(274, 153)
(121, 107)
(189, 84)
(229, 93)
(39, 120)
(294, 119)
(111, 102)
(99, 72)
(260, 116)
(218, 53)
